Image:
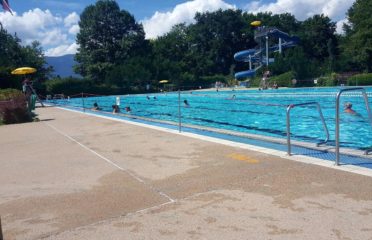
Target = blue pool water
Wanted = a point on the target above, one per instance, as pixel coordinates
(256, 112)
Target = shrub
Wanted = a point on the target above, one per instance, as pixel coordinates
(255, 81)
(67, 86)
(363, 79)
(9, 93)
(328, 80)
(283, 80)
(72, 86)
(208, 80)
(13, 107)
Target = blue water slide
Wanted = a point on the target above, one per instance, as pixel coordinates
(244, 74)
(285, 45)
(252, 55)
(288, 40)
(278, 34)
(243, 56)
(246, 56)
(274, 32)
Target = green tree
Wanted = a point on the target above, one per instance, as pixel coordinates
(14, 55)
(10, 57)
(318, 37)
(170, 52)
(33, 56)
(131, 76)
(108, 36)
(358, 40)
(215, 38)
(285, 21)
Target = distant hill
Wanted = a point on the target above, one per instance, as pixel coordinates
(63, 65)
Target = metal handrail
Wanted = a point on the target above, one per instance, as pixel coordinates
(289, 123)
(337, 135)
(179, 112)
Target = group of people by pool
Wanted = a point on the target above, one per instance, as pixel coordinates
(115, 108)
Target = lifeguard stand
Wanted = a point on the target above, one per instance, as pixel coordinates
(27, 84)
(29, 91)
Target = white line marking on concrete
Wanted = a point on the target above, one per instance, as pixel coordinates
(111, 162)
(281, 154)
(144, 210)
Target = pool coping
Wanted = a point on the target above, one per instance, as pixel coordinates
(309, 145)
(126, 118)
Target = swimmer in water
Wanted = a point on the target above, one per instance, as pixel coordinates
(186, 103)
(348, 108)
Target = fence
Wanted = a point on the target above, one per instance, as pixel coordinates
(233, 112)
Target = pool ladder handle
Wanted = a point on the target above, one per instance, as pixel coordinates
(289, 108)
(337, 130)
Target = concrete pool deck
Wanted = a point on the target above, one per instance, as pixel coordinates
(75, 176)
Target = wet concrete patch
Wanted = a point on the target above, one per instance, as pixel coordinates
(117, 194)
(207, 216)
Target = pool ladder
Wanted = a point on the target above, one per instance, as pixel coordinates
(337, 162)
(289, 108)
(337, 129)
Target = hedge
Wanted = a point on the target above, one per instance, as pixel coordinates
(283, 80)
(13, 107)
(329, 80)
(363, 79)
(71, 86)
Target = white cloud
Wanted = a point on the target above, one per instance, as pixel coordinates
(32, 25)
(74, 29)
(52, 37)
(62, 50)
(55, 33)
(72, 19)
(302, 9)
(162, 22)
(340, 24)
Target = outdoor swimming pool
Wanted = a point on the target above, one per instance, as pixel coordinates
(251, 111)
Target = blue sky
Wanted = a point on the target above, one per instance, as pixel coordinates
(54, 23)
(139, 8)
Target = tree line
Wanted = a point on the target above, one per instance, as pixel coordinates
(114, 56)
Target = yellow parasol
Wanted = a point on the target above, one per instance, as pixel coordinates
(163, 81)
(256, 23)
(23, 71)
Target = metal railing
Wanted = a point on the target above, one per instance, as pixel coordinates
(289, 108)
(179, 112)
(337, 130)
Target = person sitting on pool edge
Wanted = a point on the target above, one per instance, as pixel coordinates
(96, 107)
(348, 108)
(115, 108)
